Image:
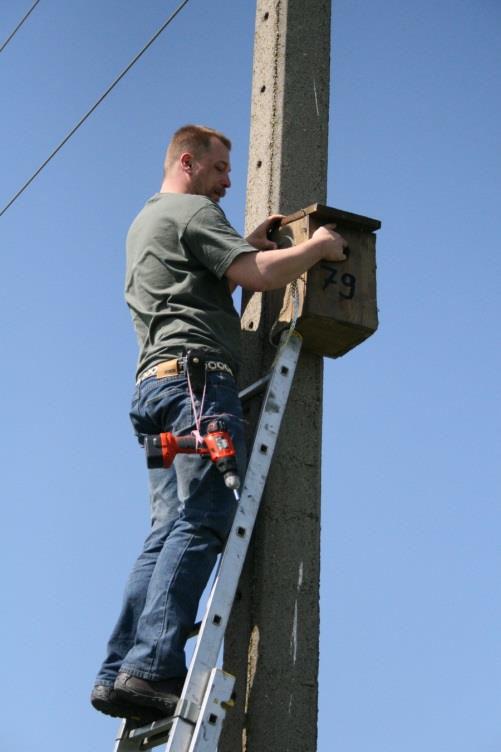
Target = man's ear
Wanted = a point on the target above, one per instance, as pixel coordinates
(186, 161)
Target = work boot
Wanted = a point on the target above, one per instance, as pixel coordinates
(104, 699)
(162, 695)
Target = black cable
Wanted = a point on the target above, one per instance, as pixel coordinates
(4, 45)
(94, 106)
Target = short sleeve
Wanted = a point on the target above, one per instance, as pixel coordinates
(213, 241)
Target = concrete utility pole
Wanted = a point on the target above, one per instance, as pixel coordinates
(272, 641)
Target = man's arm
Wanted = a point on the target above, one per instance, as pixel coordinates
(260, 240)
(272, 269)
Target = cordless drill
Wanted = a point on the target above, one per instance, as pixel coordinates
(217, 444)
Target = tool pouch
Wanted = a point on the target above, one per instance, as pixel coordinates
(195, 367)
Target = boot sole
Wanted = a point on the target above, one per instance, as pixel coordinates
(122, 709)
(156, 703)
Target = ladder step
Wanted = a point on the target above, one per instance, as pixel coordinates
(153, 735)
(195, 630)
(134, 738)
(256, 388)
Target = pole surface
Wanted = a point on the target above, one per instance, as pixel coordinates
(272, 642)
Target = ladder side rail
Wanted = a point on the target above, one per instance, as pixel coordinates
(223, 592)
(122, 742)
(216, 701)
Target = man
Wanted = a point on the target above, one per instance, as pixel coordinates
(183, 261)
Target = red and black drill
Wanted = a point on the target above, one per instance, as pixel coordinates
(217, 444)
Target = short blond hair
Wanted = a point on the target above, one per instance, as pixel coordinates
(195, 139)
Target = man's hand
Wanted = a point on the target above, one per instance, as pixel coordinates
(259, 237)
(270, 268)
(332, 245)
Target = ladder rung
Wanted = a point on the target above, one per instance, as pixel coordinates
(146, 737)
(255, 388)
(195, 630)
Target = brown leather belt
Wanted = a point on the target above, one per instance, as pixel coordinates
(169, 368)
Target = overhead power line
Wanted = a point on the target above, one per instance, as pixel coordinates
(94, 106)
(4, 45)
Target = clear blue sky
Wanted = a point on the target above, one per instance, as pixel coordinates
(411, 516)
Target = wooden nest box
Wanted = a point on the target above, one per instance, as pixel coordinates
(337, 307)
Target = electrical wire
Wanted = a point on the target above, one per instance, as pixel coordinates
(4, 45)
(94, 106)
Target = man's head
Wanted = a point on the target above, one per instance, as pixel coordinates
(198, 161)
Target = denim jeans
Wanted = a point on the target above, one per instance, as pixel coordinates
(191, 516)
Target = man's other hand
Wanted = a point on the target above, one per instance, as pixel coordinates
(331, 243)
(259, 237)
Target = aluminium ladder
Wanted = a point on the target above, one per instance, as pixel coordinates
(207, 693)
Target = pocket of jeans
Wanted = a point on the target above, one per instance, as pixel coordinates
(170, 408)
(160, 389)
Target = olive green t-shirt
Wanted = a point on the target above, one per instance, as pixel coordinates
(178, 249)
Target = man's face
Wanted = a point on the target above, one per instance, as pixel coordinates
(210, 174)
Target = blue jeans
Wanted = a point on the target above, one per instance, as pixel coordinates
(191, 516)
